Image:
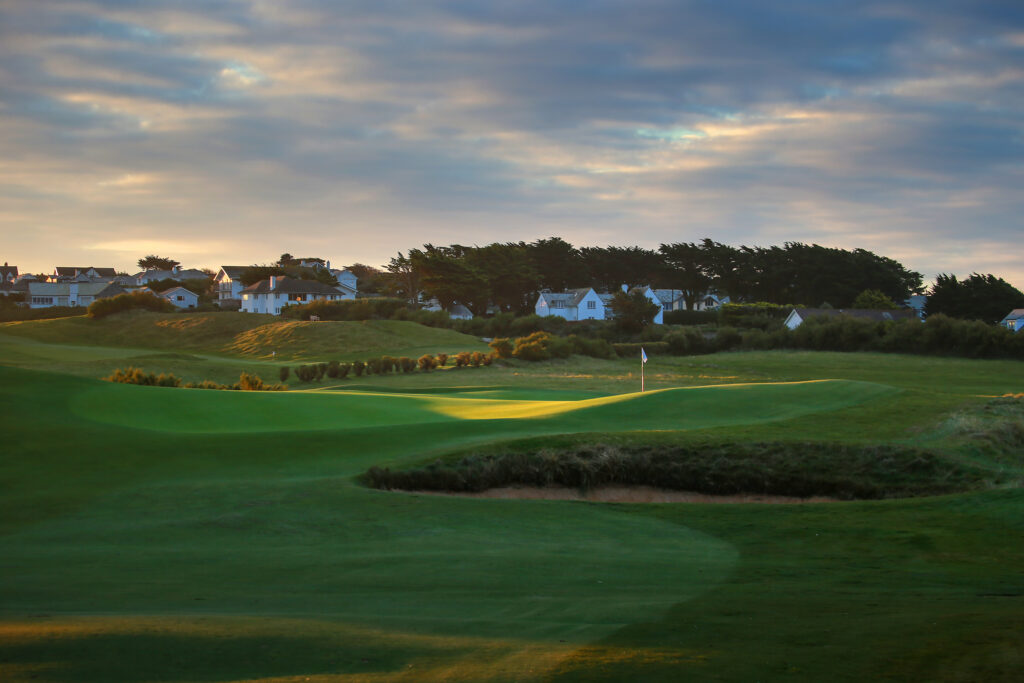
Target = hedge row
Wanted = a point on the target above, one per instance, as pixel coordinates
(383, 365)
(246, 382)
(101, 308)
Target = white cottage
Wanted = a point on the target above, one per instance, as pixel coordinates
(180, 297)
(273, 294)
(575, 304)
(228, 284)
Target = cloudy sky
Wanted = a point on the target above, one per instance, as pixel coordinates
(230, 131)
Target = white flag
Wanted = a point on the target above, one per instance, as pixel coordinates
(643, 355)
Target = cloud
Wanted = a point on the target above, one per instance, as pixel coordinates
(362, 128)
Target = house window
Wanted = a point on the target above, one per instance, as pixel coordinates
(42, 300)
(180, 297)
(557, 304)
(591, 305)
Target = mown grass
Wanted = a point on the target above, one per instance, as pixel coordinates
(226, 539)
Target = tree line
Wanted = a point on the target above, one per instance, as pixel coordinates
(510, 275)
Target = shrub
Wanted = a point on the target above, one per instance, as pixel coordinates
(727, 338)
(632, 350)
(686, 342)
(442, 360)
(321, 370)
(503, 347)
(358, 367)
(595, 348)
(689, 317)
(476, 358)
(426, 362)
(343, 370)
(349, 309)
(333, 369)
(283, 373)
(133, 375)
(101, 308)
(205, 384)
(407, 364)
(306, 373)
(462, 359)
(373, 366)
(247, 382)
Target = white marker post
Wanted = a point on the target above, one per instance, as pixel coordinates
(643, 362)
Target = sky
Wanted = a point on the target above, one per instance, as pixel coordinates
(226, 132)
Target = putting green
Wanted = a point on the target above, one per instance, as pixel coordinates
(203, 411)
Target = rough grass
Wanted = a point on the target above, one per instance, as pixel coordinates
(246, 335)
(801, 470)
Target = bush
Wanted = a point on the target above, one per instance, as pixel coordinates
(132, 375)
(333, 369)
(689, 317)
(344, 369)
(101, 308)
(426, 362)
(632, 350)
(595, 348)
(349, 309)
(358, 367)
(503, 347)
(11, 314)
(686, 342)
(462, 359)
(476, 359)
(283, 373)
(442, 360)
(407, 364)
(727, 338)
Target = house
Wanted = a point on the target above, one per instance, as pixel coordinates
(574, 304)
(797, 316)
(273, 294)
(8, 273)
(47, 294)
(175, 273)
(456, 311)
(347, 281)
(228, 284)
(1014, 321)
(918, 303)
(180, 297)
(82, 274)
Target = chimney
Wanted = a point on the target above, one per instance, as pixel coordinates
(175, 269)
(328, 265)
(273, 282)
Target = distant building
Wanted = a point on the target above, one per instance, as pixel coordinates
(82, 274)
(8, 273)
(175, 273)
(574, 304)
(47, 294)
(229, 285)
(273, 294)
(1014, 321)
(180, 297)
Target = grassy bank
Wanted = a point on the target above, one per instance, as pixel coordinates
(175, 534)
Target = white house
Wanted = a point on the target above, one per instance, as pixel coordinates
(47, 294)
(575, 304)
(1014, 321)
(229, 284)
(797, 316)
(180, 297)
(347, 282)
(273, 294)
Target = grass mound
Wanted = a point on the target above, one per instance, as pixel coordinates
(787, 469)
(245, 334)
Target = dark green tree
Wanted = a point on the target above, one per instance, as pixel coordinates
(633, 311)
(979, 297)
(873, 299)
(153, 262)
(688, 270)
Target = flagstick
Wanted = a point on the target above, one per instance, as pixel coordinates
(642, 376)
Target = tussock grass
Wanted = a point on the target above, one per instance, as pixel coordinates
(789, 469)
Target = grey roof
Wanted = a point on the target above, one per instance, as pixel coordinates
(174, 289)
(98, 290)
(568, 299)
(287, 285)
(234, 272)
(864, 313)
(72, 271)
(186, 274)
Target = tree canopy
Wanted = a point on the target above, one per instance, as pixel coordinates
(978, 297)
(154, 262)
